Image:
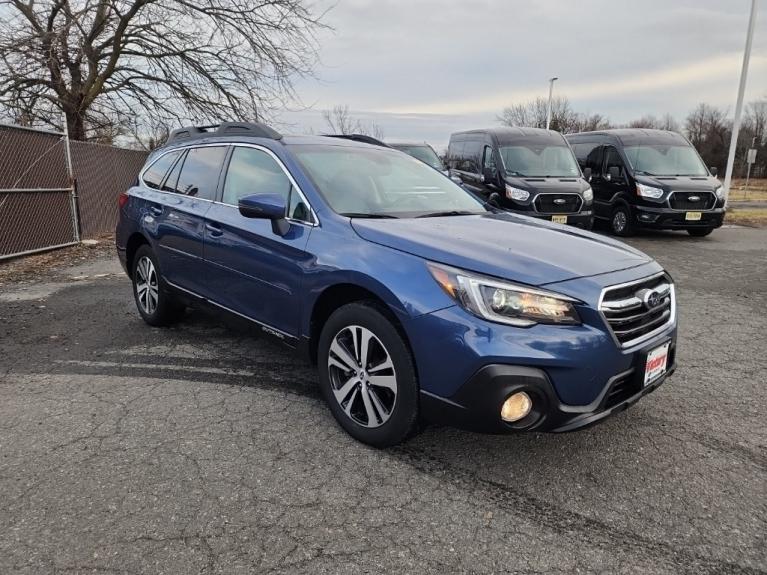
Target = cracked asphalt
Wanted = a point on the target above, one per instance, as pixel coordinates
(205, 449)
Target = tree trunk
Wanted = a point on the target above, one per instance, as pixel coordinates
(75, 125)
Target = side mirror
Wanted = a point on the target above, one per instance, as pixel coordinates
(587, 174)
(456, 179)
(714, 171)
(613, 174)
(494, 199)
(266, 207)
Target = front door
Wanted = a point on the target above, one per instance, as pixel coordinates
(251, 270)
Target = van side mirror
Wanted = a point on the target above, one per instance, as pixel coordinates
(266, 207)
(587, 174)
(613, 174)
(714, 171)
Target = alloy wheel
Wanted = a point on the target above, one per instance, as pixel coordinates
(146, 285)
(362, 376)
(619, 221)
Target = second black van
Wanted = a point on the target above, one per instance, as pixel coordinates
(525, 170)
(649, 179)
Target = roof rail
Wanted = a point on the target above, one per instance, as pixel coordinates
(254, 129)
(359, 138)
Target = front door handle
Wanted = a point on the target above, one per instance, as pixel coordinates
(214, 229)
(155, 210)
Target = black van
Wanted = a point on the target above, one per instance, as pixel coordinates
(525, 170)
(649, 179)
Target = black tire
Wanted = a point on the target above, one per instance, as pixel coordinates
(388, 427)
(620, 221)
(166, 308)
(699, 232)
(589, 226)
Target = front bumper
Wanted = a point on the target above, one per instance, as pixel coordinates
(666, 219)
(583, 219)
(477, 404)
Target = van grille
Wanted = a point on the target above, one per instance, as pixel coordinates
(682, 201)
(638, 310)
(558, 203)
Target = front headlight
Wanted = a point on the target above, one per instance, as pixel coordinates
(504, 302)
(588, 195)
(516, 194)
(649, 191)
(719, 192)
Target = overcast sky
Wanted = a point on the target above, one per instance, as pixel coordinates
(424, 68)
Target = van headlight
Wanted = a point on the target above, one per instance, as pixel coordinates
(504, 302)
(516, 194)
(588, 195)
(719, 192)
(649, 191)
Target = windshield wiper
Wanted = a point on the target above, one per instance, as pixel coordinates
(642, 172)
(448, 213)
(368, 215)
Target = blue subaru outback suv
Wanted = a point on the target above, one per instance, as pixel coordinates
(414, 299)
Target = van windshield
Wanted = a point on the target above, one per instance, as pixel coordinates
(375, 182)
(424, 153)
(665, 160)
(539, 160)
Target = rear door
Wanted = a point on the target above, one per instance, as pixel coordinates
(189, 193)
(251, 270)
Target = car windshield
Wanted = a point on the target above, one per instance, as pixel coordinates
(665, 160)
(374, 182)
(424, 153)
(539, 160)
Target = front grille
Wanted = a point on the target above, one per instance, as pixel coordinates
(637, 310)
(558, 203)
(682, 201)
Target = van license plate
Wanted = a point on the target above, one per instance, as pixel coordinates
(657, 361)
(559, 219)
(693, 216)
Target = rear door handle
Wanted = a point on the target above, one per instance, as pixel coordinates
(214, 229)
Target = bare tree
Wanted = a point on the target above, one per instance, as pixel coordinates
(532, 114)
(591, 123)
(160, 60)
(340, 121)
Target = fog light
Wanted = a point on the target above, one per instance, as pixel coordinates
(516, 406)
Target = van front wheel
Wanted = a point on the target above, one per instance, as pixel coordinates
(620, 223)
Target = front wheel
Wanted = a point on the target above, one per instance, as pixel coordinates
(699, 232)
(620, 223)
(367, 375)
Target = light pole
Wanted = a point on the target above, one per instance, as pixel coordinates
(739, 103)
(551, 91)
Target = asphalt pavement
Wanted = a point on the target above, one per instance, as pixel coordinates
(204, 449)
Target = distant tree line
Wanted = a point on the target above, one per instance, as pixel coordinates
(707, 127)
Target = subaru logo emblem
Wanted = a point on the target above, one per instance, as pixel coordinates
(650, 298)
(693, 198)
(559, 201)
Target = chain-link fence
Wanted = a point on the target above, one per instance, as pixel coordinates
(37, 209)
(46, 204)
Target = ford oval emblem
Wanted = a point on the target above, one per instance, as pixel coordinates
(693, 198)
(560, 201)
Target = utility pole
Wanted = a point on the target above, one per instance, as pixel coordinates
(739, 103)
(551, 91)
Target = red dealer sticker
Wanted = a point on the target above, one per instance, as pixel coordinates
(657, 361)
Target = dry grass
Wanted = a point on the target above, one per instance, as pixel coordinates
(757, 190)
(754, 217)
(27, 268)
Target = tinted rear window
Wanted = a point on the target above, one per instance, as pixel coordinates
(154, 175)
(200, 172)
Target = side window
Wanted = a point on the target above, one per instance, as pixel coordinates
(454, 154)
(154, 176)
(253, 171)
(297, 208)
(171, 181)
(612, 158)
(471, 156)
(588, 156)
(200, 172)
(594, 159)
(488, 159)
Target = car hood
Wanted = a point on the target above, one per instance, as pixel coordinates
(563, 185)
(681, 183)
(516, 248)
